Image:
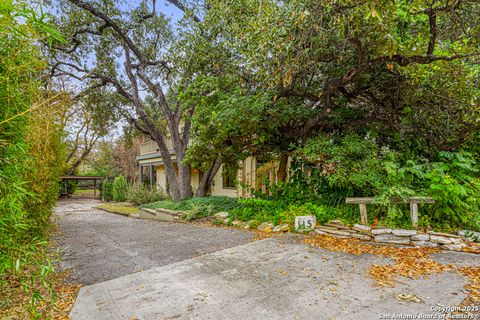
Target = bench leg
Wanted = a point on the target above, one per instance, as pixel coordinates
(414, 213)
(363, 213)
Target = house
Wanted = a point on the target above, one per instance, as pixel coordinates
(233, 181)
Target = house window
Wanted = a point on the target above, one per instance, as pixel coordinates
(229, 175)
(145, 175)
(154, 176)
(148, 175)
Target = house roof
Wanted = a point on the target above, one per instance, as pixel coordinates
(152, 155)
(148, 156)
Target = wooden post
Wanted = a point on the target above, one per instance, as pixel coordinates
(413, 201)
(414, 213)
(151, 176)
(363, 213)
(94, 188)
(140, 173)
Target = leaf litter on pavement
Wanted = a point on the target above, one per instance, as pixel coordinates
(410, 262)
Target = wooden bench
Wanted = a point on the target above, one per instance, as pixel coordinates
(413, 201)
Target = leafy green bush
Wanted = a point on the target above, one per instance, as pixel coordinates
(452, 181)
(321, 212)
(218, 203)
(258, 209)
(199, 210)
(120, 189)
(107, 190)
(139, 195)
(455, 186)
(329, 168)
(278, 212)
(326, 170)
(197, 207)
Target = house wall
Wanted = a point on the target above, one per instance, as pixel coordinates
(161, 178)
(195, 179)
(151, 146)
(246, 178)
(217, 188)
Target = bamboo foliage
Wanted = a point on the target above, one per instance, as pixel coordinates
(29, 150)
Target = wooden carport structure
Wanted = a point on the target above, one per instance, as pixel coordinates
(80, 178)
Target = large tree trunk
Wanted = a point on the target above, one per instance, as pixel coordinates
(185, 175)
(180, 186)
(207, 178)
(180, 147)
(83, 156)
(74, 167)
(170, 171)
(282, 168)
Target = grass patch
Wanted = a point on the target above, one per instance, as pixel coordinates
(82, 192)
(119, 207)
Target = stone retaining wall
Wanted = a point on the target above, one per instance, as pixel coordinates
(393, 236)
(337, 229)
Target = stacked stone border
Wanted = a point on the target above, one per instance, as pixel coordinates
(335, 228)
(431, 239)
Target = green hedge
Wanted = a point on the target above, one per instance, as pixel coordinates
(31, 152)
(120, 189)
(107, 190)
(140, 195)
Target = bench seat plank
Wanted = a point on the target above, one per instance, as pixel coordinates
(413, 201)
(371, 200)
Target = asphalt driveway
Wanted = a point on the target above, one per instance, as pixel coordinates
(100, 246)
(188, 275)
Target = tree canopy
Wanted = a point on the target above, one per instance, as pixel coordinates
(239, 78)
(403, 69)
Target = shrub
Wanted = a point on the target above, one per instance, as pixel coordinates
(275, 211)
(328, 169)
(107, 190)
(197, 207)
(140, 195)
(322, 213)
(454, 184)
(31, 154)
(120, 189)
(452, 181)
(258, 209)
(199, 211)
(218, 203)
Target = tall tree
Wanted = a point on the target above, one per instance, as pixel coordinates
(127, 51)
(86, 122)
